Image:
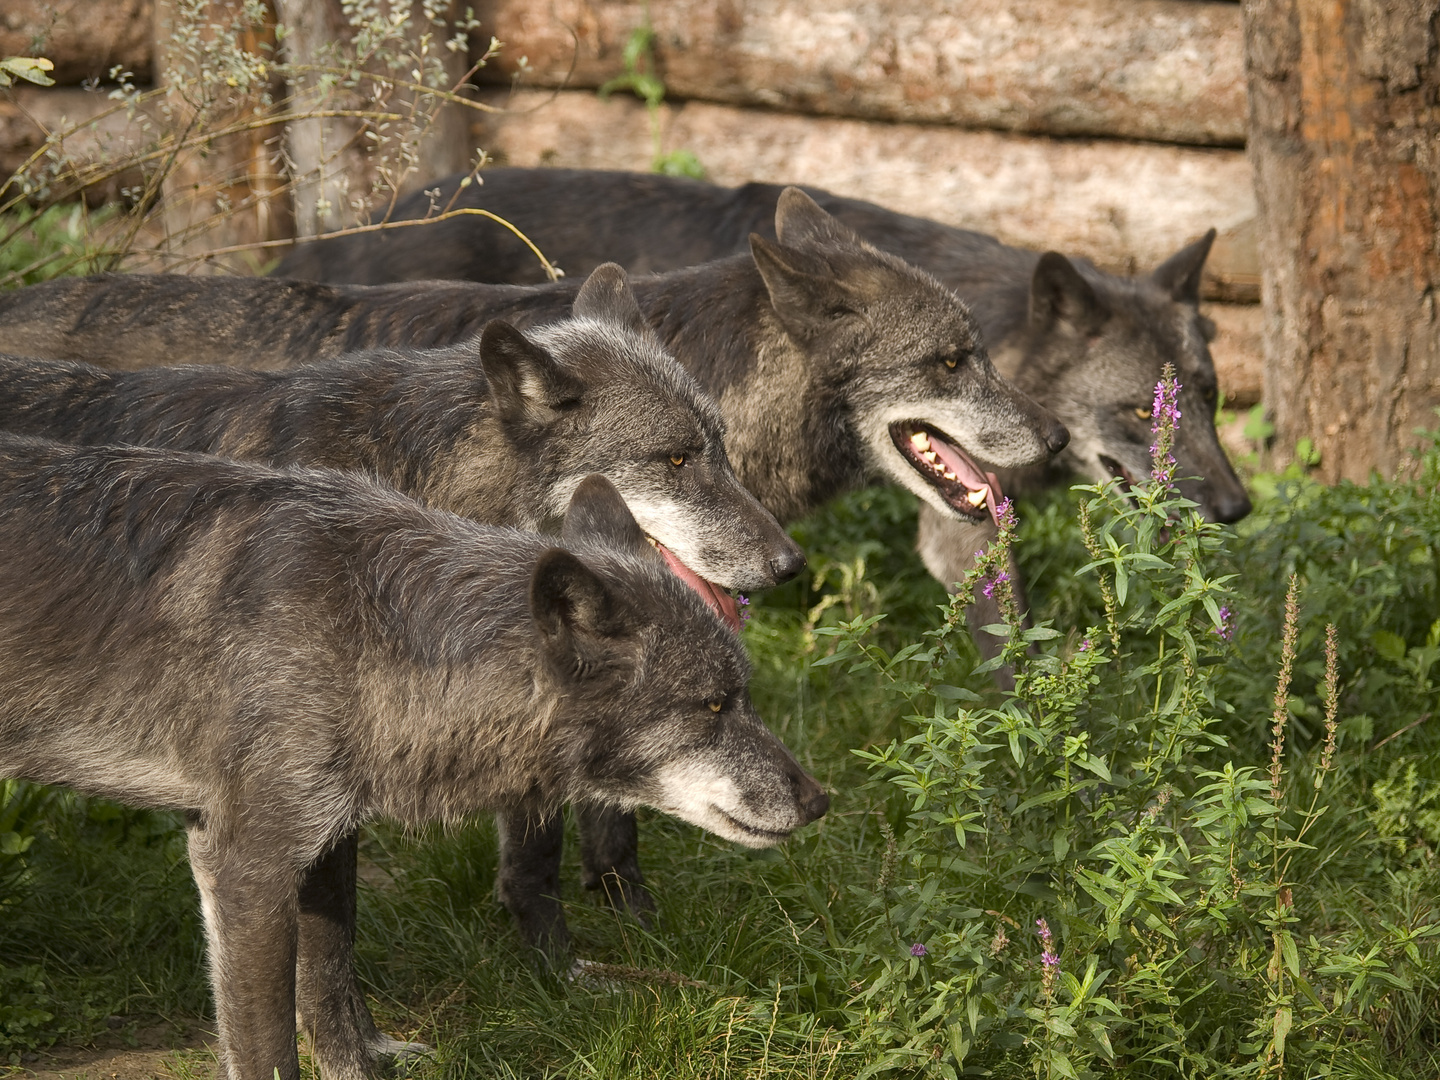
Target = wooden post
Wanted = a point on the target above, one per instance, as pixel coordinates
(1345, 142)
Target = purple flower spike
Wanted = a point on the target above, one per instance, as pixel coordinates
(918, 949)
(744, 608)
(1165, 418)
(1226, 629)
(999, 579)
(1049, 959)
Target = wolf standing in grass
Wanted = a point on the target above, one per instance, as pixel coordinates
(283, 655)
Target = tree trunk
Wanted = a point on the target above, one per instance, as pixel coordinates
(1345, 143)
(224, 190)
(342, 165)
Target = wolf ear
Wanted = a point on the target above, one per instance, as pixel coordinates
(808, 302)
(526, 384)
(606, 296)
(1179, 275)
(800, 219)
(1059, 294)
(575, 613)
(597, 512)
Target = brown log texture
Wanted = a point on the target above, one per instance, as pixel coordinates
(1167, 70)
(1125, 205)
(83, 38)
(1345, 140)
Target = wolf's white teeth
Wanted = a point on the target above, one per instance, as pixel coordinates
(920, 441)
(949, 475)
(930, 456)
(976, 498)
(652, 541)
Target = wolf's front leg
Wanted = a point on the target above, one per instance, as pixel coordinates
(248, 893)
(329, 1001)
(528, 883)
(609, 858)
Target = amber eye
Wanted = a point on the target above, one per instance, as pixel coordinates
(1143, 414)
(715, 704)
(952, 361)
(677, 460)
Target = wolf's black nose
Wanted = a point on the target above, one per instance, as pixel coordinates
(1057, 436)
(787, 563)
(1229, 506)
(813, 799)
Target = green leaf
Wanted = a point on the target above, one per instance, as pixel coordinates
(1390, 646)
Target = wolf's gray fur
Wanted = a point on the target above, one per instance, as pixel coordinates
(823, 353)
(502, 430)
(1086, 344)
(284, 654)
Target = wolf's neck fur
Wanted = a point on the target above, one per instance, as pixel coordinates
(718, 321)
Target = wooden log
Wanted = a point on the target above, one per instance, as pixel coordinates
(87, 125)
(1125, 205)
(1166, 70)
(83, 38)
(1345, 132)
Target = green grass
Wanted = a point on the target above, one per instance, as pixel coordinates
(104, 919)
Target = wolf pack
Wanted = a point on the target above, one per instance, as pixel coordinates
(405, 529)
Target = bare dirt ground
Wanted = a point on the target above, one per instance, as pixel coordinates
(159, 1052)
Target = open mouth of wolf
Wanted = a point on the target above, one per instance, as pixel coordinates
(1119, 472)
(954, 474)
(720, 600)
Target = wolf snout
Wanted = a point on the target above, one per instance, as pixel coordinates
(1055, 435)
(1229, 506)
(812, 799)
(787, 561)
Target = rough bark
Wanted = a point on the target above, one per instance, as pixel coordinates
(332, 159)
(1126, 205)
(1167, 70)
(83, 38)
(1345, 143)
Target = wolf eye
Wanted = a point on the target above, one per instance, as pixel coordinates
(677, 460)
(715, 704)
(1143, 414)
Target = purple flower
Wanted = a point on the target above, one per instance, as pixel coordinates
(1043, 929)
(1165, 418)
(999, 579)
(1005, 514)
(918, 949)
(1085, 645)
(744, 608)
(1226, 629)
(1049, 959)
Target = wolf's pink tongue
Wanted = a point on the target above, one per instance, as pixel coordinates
(970, 474)
(720, 600)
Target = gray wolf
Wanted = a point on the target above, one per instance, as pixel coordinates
(502, 430)
(835, 365)
(282, 655)
(1087, 345)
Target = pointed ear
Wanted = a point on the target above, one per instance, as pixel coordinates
(526, 384)
(606, 296)
(597, 512)
(799, 219)
(805, 295)
(1059, 294)
(1179, 275)
(575, 613)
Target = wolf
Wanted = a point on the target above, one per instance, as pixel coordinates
(501, 431)
(1086, 344)
(835, 365)
(284, 654)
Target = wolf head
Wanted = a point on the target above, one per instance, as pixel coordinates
(930, 409)
(1097, 343)
(657, 708)
(598, 394)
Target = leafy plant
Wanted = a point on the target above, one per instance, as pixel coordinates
(640, 79)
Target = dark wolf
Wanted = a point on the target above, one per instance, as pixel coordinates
(1087, 345)
(502, 430)
(834, 365)
(282, 655)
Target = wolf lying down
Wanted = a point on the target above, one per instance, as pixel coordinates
(284, 654)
